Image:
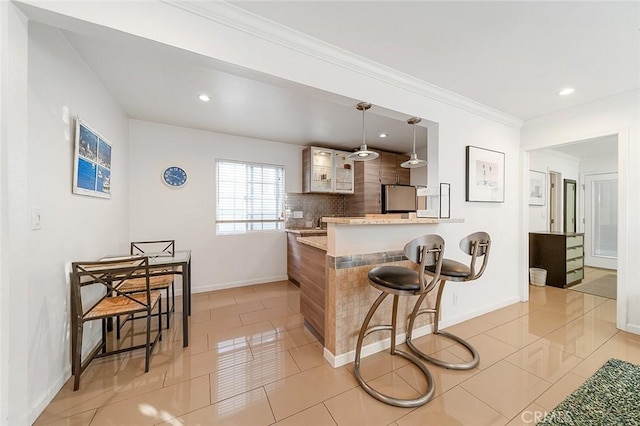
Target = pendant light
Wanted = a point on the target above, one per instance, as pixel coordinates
(414, 161)
(363, 154)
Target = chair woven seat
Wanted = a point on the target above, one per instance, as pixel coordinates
(133, 285)
(121, 305)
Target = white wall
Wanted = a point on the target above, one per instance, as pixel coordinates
(187, 214)
(546, 162)
(615, 115)
(154, 146)
(74, 227)
(600, 164)
(14, 345)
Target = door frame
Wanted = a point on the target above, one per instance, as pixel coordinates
(555, 202)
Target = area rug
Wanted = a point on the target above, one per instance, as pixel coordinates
(605, 286)
(610, 397)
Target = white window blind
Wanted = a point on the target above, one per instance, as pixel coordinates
(249, 197)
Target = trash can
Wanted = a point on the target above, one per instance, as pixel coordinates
(538, 276)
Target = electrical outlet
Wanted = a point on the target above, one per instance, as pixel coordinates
(297, 214)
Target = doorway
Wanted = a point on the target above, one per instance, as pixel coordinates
(575, 160)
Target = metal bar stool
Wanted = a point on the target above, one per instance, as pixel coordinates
(426, 251)
(476, 245)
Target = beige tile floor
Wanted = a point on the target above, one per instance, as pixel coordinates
(251, 362)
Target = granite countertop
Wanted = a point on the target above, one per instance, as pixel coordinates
(307, 231)
(319, 242)
(378, 220)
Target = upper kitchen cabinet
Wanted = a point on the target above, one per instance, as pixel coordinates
(326, 170)
(369, 178)
(390, 171)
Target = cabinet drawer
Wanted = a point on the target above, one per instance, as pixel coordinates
(574, 264)
(574, 241)
(575, 276)
(574, 252)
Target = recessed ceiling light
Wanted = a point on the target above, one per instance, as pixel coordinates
(383, 135)
(204, 98)
(566, 91)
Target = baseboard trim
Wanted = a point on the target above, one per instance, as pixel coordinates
(48, 396)
(53, 390)
(372, 348)
(633, 328)
(339, 360)
(235, 284)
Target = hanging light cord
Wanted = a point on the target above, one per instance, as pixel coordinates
(414, 138)
(363, 127)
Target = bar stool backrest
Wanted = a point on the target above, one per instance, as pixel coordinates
(426, 250)
(476, 245)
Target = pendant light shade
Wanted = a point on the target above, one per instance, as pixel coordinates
(363, 154)
(414, 162)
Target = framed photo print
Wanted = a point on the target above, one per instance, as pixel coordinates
(537, 188)
(91, 163)
(484, 175)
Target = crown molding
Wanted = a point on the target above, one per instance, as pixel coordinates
(239, 19)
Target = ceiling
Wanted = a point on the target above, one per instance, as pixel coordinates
(602, 147)
(157, 83)
(511, 56)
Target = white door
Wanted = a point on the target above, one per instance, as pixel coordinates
(601, 220)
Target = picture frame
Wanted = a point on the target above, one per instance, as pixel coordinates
(445, 201)
(484, 175)
(537, 188)
(91, 162)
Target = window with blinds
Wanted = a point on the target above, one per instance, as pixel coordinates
(249, 197)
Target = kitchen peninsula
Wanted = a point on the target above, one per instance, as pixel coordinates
(353, 246)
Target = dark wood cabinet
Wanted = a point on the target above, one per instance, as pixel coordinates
(306, 268)
(561, 254)
(368, 178)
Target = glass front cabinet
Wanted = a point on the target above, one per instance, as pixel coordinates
(326, 170)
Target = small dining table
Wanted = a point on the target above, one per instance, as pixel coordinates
(182, 260)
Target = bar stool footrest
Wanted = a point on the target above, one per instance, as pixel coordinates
(404, 403)
(449, 365)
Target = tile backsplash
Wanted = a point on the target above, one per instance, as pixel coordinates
(312, 206)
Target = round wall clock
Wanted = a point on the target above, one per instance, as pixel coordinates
(174, 176)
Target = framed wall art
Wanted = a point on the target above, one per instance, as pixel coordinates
(537, 188)
(91, 163)
(484, 175)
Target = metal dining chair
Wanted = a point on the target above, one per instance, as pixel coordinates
(111, 302)
(161, 278)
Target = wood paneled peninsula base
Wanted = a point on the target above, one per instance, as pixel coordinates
(353, 247)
